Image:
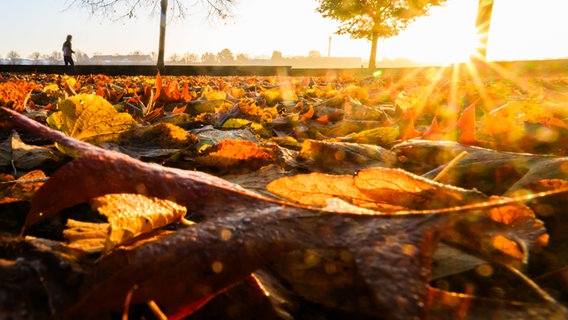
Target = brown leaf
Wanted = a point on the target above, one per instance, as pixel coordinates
(250, 237)
(343, 157)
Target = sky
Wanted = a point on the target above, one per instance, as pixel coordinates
(520, 30)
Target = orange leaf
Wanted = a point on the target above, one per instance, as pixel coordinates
(159, 87)
(185, 95)
(308, 115)
(323, 119)
(172, 91)
(466, 125)
(434, 131)
(101, 92)
(407, 129)
(177, 110)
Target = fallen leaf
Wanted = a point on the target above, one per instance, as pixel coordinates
(132, 214)
(90, 118)
(14, 152)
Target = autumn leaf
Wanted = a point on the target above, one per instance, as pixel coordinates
(490, 171)
(21, 189)
(434, 131)
(14, 152)
(466, 125)
(236, 155)
(391, 190)
(14, 93)
(90, 118)
(132, 214)
(212, 94)
(327, 155)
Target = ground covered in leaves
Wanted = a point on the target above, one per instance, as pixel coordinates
(434, 194)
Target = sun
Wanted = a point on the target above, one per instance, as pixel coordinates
(445, 37)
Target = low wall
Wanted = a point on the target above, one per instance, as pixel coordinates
(497, 69)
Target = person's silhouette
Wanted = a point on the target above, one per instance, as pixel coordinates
(68, 52)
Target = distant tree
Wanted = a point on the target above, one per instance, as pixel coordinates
(225, 56)
(55, 57)
(136, 53)
(190, 57)
(35, 56)
(13, 56)
(127, 8)
(374, 19)
(82, 57)
(314, 54)
(208, 58)
(174, 58)
(243, 58)
(276, 55)
(482, 26)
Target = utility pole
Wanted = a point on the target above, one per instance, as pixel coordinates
(329, 48)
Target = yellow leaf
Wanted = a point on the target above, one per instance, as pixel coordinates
(413, 98)
(51, 87)
(212, 94)
(90, 118)
(315, 188)
(235, 123)
(356, 92)
(132, 214)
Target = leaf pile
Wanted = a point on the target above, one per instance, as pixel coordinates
(285, 197)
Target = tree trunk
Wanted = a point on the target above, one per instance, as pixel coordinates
(482, 24)
(162, 43)
(373, 57)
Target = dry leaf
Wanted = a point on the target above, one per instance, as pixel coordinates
(130, 215)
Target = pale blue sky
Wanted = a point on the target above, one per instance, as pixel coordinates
(291, 26)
